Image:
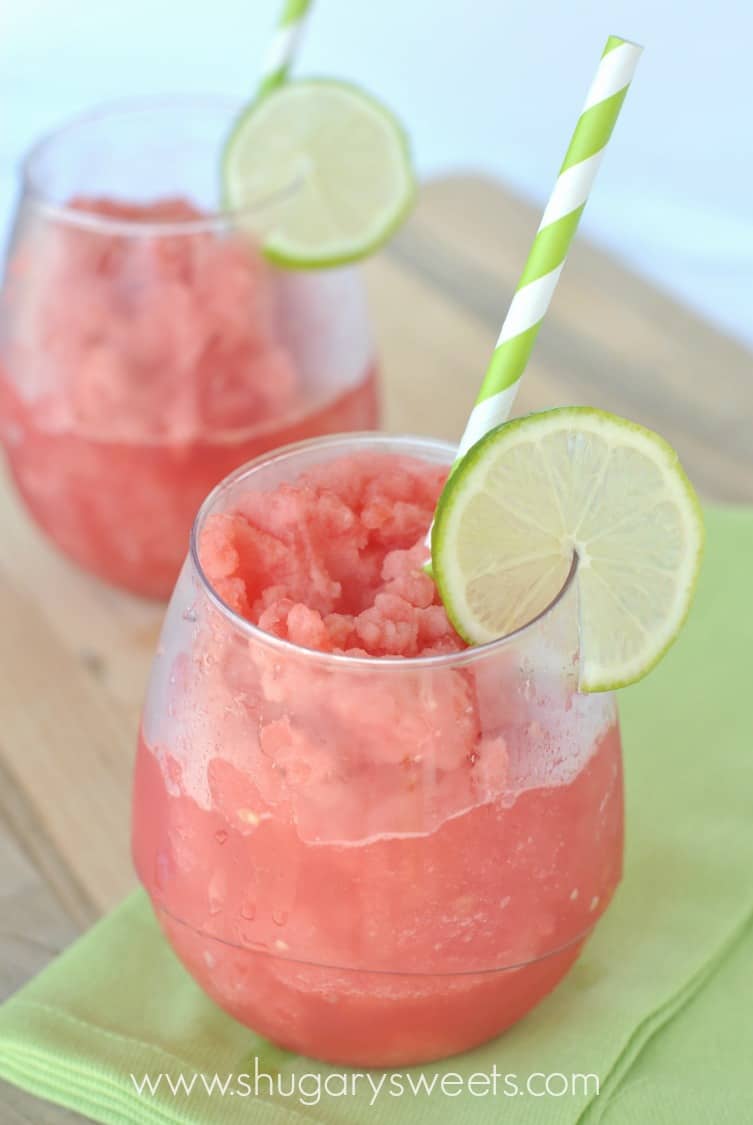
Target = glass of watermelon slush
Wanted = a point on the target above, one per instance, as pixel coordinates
(147, 349)
(363, 839)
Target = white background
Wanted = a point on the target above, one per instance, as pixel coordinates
(490, 84)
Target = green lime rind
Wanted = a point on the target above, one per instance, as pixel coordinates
(277, 249)
(464, 482)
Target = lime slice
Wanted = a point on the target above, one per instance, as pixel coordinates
(320, 172)
(538, 489)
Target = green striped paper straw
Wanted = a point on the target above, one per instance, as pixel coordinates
(552, 241)
(282, 48)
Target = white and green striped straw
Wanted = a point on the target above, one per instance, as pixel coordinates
(282, 48)
(552, 241)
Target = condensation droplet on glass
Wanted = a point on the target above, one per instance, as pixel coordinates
(220, 836)
(248, 909)
(279, 917)
(216, 892)
(535, 731)
(526, 673)
(248, 816)
(190, 615)
(276, 669)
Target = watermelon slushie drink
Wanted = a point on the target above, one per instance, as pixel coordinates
(148, 350)
(363, 839)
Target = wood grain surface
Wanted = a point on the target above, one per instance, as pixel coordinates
(74, 655)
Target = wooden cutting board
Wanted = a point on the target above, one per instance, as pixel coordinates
(74, 655)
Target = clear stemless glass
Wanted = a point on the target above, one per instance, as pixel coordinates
(146, 349)
(372, 861)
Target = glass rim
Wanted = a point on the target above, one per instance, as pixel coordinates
(341, 659)
(216, 220)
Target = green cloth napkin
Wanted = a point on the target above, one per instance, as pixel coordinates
(657, 1007)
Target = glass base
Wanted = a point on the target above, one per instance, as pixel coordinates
(354, 1017)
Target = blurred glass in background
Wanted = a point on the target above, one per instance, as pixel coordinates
(490, 86)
